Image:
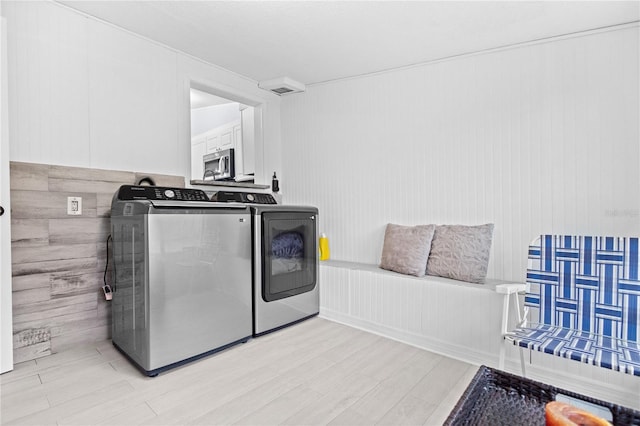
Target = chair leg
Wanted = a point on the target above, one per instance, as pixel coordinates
(505, 320)
(522, 361)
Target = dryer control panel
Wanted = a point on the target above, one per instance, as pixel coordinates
(154, 193)
(243, 197)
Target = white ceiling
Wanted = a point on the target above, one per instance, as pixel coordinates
(317, 41)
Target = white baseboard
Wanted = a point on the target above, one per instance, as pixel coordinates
(420, 341)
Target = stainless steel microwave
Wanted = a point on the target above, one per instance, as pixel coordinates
(219, 165)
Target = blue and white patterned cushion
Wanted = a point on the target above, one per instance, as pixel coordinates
(584, 298)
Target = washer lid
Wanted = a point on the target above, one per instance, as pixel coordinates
(171, 204)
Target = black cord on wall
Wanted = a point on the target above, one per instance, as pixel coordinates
(106, 266)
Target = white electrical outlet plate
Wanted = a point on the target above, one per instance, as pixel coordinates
(74, 206)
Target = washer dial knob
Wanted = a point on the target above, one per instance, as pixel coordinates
(251, 197)
(169, 193)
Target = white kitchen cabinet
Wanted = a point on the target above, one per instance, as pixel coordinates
(226, 139)
(237, 135)
(213, 143)
(222, 137)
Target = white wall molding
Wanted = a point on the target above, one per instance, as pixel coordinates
(632, 24)
(442, 347)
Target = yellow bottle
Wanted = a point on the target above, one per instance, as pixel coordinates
(324, 247)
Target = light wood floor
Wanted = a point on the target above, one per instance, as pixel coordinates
(316, 372)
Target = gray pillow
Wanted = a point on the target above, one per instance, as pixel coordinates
(406, 248)
(461, 252)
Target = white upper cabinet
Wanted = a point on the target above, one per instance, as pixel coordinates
(226, 139)
(227, 136)
(213, 143)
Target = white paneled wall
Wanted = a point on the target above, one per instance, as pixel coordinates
(540, 138)
(137, 79)
(48, 84)
(85, 93)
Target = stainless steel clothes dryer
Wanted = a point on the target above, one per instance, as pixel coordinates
(181, 275)
(285, 266)
(285, 260)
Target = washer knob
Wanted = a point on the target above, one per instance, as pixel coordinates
(251, 197)
(169, 193)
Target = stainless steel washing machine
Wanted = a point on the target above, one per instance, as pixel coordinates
(285, 261)
(181, 275)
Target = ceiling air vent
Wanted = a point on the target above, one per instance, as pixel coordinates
(282, 86)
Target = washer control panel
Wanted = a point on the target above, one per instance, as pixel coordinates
(153, 193)
(243, 197)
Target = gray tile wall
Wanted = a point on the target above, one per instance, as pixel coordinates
(58, 261)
